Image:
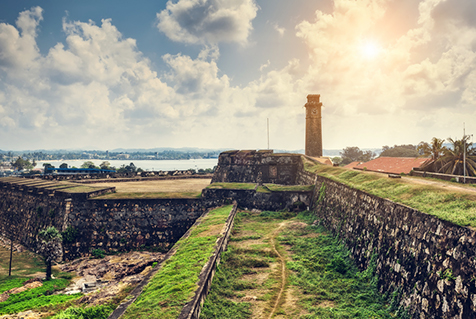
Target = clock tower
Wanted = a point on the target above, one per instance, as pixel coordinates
(313, 126)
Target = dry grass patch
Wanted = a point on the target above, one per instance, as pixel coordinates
(177, 188)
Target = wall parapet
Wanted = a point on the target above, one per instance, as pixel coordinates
(192, 309)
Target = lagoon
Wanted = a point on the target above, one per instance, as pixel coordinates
(146, 165)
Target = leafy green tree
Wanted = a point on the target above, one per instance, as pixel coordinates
(21, 164)
(105, 165)
(88, 164)
(131, 168)
(64, 165)
(435, 151)
(453, 158)
(407, 150)
(337, 160)
(354, 154)
(47, 165)
(50, 247)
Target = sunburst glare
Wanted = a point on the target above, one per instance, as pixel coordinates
(369, 49)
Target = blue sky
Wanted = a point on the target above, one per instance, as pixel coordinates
(208, 73)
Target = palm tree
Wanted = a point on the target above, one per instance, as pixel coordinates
(453, 159)
(434, 150)
(50, 247)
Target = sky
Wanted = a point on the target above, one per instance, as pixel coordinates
(210, 73)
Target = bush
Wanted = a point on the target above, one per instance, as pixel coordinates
(98, 253)
(96, 312)
(69, 235)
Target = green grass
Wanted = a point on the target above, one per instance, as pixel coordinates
(237, 262)
(456, 206)
(175, 283)
(37, 297)
(94, 312)
(290, 188)
(319, 272)
(27, 265)
(231, 186)
(325, 275)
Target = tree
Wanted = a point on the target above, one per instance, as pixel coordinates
(50, 247)
(64, 165)
(337, 160)
(452, 161)
(354, 154)
(131, 168)
(434, 150)
(105, 165)
(21, 164)
(88, 164)
(407, 150)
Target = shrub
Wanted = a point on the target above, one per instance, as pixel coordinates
(98, 253)
(69, 235)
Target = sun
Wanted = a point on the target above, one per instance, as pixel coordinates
(369, 49)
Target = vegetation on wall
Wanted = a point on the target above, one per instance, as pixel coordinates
(176, 281)
(454, 205)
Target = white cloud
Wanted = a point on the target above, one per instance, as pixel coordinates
(279, 29)
(18, 47)
(98, 86)
(207, 21)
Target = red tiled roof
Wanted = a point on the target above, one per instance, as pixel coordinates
(393, 165)
(352, 165)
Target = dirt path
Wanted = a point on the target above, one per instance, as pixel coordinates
(447, 185)
(283, 268)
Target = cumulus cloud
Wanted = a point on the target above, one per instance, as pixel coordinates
(400, 70)
(18, 47)
(207, 21)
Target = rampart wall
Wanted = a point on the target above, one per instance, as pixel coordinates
(87, 224)
(251, 199)
(124, 224)
(429, 263)
(257, 167)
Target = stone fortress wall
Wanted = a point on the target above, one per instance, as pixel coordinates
(257, 167)
(427, 263)
(88, 223)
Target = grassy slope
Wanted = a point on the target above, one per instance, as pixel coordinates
(27, 265)
(454, 205)
(232, 186)
(175, 283)
(322, 278)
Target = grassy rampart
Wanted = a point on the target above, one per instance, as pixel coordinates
(232, 186)
(445, 200)
(175, 283)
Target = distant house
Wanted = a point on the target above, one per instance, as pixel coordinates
(392, 165)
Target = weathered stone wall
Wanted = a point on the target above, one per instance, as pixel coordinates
(123, 224)
(257, 166)
(433, 262)
(24, 211)
(111, 225)
(249, 199)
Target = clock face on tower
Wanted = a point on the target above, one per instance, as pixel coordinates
(314, 112)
